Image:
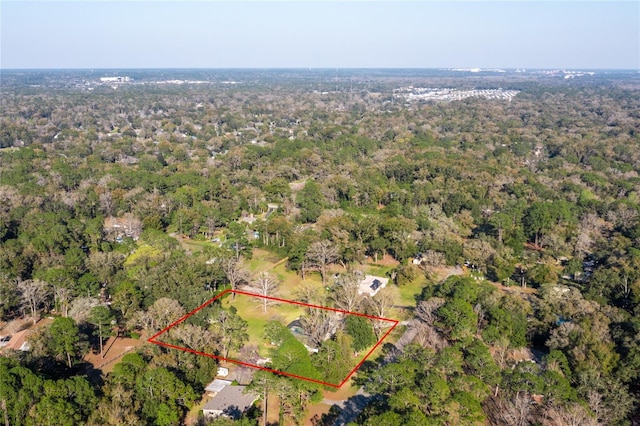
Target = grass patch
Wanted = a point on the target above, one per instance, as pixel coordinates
(409, 292)
(262, 260)
(194, 246)
(250, 309)
(378, 270)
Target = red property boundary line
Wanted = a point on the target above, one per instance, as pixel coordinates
(152, 339)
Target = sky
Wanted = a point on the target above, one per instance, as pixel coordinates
(313, 34)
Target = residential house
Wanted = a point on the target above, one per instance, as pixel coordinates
(371, 285)
(231, 402)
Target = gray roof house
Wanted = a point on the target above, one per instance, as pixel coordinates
(231, 402)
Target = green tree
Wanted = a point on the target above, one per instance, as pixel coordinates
(436, 392)
(457, 319)
(538, 221)
(361, 330)
(64, 338)
(263, 382)
(334, 357)
(310, 201)
(163, 394)
(101, 317)
(20, 389)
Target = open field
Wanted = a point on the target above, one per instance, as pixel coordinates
(251, 310)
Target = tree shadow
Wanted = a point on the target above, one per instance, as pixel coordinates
(341, 416)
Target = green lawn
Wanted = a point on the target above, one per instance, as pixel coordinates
(252, 311)
(409, 292)
(378, 270)
(194, 246)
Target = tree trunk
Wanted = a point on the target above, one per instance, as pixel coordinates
(69, 359)
(100, 338)
(264, 408)
(6, 414)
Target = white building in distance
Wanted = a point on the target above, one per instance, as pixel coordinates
(371, 285)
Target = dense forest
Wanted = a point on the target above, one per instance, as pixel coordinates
(125, 205)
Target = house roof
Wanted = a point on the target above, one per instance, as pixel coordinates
(230, 401)
(217, 385)
(371, 284)
(295, 323)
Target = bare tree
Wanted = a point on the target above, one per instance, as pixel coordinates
(106, 202)
(428, 337)
(133, 226)
(426, 309)
(346, 292)
(62, 296)
(318, 324)
(379, 306)
(311, 293)
(33, 293)
(104, 265)
(234, 271)
(431, 260)
(230, 331)
(194, 336)
(266, 284)
(80, 308)
(320, 255)
(568, 415)
(519, 411)
(163, 312)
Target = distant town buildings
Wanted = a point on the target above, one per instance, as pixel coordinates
(412, 94)
(117, 79)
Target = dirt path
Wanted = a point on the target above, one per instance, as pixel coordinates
(115, 349)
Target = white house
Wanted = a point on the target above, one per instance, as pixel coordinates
(371, 285)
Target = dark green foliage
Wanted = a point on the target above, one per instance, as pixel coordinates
(64, 339)
(310, 201)
(361, 330)
(334, 358)
(292, 357)
(31, 400)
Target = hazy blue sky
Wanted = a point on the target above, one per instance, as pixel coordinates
(421, 34)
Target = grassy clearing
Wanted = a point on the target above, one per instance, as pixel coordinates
(378, 270)
(258, 265)
(409, 292)
(251, 310)
(194, 246)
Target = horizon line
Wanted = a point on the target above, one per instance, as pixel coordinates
(449, 68)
